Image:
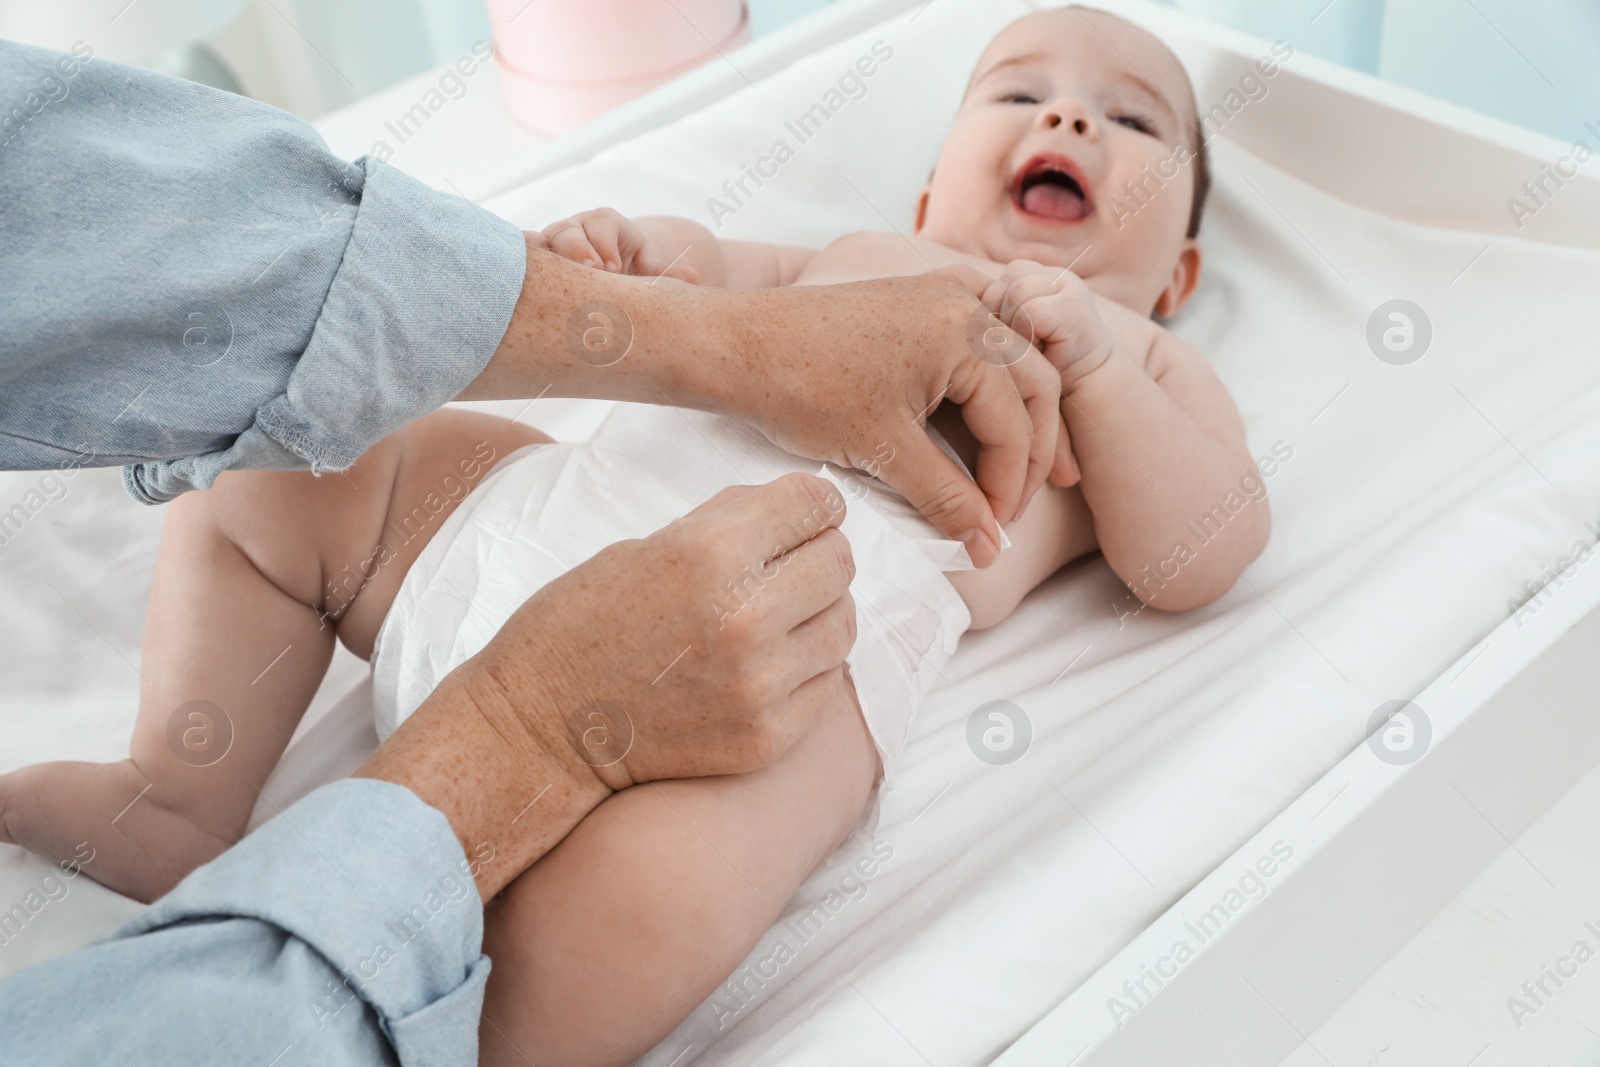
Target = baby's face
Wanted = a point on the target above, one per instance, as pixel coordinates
(1065, 106)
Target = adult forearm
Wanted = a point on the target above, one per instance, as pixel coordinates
(1155, 482)
(468, 752)
(579, 332)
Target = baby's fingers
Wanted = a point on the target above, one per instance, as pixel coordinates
(574, 244)
(1009, 298)
(605, 237)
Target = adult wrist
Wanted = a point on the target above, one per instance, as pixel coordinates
(737, 352)
(690, 344)
(494, 762)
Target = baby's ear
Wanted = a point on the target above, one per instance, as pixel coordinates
(922, 208)
(1185, 276)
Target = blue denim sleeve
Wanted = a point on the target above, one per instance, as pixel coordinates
(345, 931)
(190, 281)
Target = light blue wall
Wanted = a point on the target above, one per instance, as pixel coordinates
(768, 15)
(453, 26)
(369, 45)
(1345, 31)
(1532, 62)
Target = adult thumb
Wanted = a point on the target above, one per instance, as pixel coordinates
(932, 483)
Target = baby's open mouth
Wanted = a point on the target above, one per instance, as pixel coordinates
(1052, 187)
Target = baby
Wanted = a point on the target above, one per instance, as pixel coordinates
(611, 939)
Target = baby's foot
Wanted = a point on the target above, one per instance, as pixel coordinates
(103, 818)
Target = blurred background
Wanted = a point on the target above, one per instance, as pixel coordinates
(1532, 63)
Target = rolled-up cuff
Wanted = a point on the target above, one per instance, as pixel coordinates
(420, 302)
(374, 881)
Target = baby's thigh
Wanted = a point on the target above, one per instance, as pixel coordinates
(770, 827)
(438, 460)
(788, 816)
(341, 542)
(610, 940)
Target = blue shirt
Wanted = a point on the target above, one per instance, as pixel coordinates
(190, 281)
(345, 931)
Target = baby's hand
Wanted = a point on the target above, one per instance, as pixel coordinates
(607, 240)
(1053, 308)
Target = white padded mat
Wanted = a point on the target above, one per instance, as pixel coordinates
(1418, 501)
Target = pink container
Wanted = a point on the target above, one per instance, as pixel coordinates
(564, 62)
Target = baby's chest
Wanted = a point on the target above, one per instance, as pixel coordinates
(861, 256)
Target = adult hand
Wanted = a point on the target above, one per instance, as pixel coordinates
(850, 373)
(847, 373)
(706, 648)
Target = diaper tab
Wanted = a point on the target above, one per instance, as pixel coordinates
(943, 553)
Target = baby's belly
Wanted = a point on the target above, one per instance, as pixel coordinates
(549, 508)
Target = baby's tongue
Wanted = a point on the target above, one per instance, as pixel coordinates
(1053, 201)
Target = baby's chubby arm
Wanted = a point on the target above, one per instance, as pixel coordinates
(676, 247)
(1157, 437)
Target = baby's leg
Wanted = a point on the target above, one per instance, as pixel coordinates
(609, 941)
(254, 578)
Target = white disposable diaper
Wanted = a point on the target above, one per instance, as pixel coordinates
(547, 508)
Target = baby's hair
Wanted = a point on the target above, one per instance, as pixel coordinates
(1202, 177)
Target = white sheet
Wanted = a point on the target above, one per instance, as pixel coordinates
(1418, 500)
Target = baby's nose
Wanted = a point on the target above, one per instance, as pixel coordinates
(1053, 118)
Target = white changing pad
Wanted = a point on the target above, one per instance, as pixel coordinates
(1417, 502)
